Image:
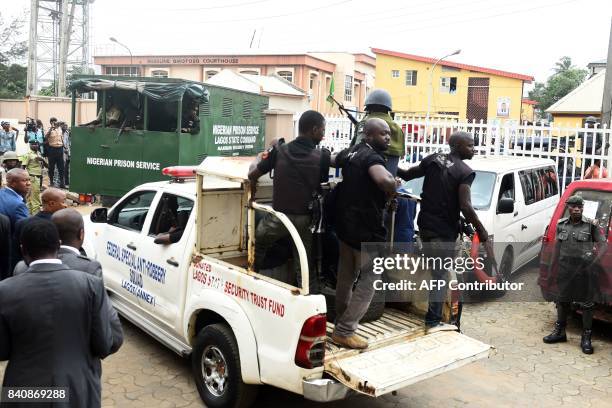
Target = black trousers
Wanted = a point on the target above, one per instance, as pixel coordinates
(56, 160)
(67, 172)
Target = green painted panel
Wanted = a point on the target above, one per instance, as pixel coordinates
(232, 123)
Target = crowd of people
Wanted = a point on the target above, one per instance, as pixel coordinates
(48, 154)
(58, 333)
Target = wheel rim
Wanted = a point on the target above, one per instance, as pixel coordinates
(214, 370)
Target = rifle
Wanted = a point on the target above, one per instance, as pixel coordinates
(342, 109)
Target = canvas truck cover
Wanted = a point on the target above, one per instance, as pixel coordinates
(163, 92)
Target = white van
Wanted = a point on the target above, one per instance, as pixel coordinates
(514, 198)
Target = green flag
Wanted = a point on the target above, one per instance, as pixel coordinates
(331, 91)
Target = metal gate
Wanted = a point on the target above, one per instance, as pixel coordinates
(477, 99)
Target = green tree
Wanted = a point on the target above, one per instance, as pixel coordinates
(565, 79)
(12, 81)
(13, 50)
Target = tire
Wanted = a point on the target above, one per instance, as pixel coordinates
(505, 270)
(216, 342)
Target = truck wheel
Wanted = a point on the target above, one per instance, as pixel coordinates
(215, 362)
(505, 269)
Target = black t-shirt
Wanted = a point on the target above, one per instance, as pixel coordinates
(360, 203)
(440, 198)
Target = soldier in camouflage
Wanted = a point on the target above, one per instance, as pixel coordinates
(580, 244)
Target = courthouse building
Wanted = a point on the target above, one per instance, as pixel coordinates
(353, 74)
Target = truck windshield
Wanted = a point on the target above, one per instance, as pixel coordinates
(482, 189)
(597, 206)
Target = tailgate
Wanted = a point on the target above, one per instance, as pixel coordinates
(405, 361)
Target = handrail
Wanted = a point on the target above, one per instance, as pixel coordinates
(305, 289)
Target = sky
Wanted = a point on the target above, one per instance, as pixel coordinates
(522, 36)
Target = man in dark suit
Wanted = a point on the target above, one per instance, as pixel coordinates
(5, 246)
(57, 334)
(71, 229)
(53, 199)
(12, 196)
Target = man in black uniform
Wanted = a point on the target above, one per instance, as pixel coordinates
(580, 245)
(361, 199)
(446, 192)
(298, 168)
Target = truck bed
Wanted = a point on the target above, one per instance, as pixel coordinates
(392, 326)
(399, 354)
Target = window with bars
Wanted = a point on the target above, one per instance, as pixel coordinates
(159, 73)
(411, 78)
(395, 73)
(348, 88)
(122, 71)
(287, 75)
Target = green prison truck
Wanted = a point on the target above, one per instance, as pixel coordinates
(146, 124)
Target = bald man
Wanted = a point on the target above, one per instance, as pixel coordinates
(446, 193)
(53, 199)
(362, 195)
(12, 197)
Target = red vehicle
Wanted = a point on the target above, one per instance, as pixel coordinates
(597, 195)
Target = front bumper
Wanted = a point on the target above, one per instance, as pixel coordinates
(325, 390)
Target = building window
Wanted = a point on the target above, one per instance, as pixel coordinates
(249, 72)
(313, 78)
(411, 78)
(122, 71)
(287, 75)
(395, 73)
(448, 85)
(159, 73)
(210, 74)
(348, 88)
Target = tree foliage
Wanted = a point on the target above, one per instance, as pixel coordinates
(12, 81)
(565, 79)
(13, 50)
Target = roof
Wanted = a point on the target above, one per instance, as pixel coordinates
(255, 83)
(502, 164)
(526, 78)
(527, 101)
(586, 98)
(499, 164)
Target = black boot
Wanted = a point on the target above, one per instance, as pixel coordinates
(585, 342)
(557, 335)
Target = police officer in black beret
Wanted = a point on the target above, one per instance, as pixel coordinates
(580, 244)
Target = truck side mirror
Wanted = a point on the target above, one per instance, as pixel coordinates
(505, 206)
(99, 216)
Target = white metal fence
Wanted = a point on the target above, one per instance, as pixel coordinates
(572, 149)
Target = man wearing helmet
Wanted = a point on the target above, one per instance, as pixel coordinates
(378, 105)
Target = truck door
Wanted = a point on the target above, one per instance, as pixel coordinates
(118, 245)
(164, 257)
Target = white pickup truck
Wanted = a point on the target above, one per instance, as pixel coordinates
(201, 298)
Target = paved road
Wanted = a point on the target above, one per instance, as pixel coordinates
(523, 372)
